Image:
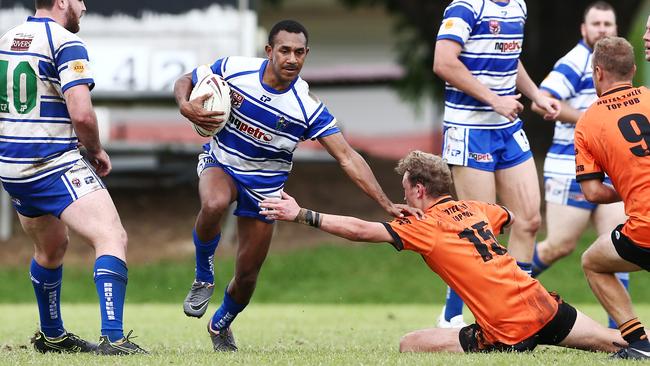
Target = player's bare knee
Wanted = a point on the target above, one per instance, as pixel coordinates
(586, 261)
(404, 345)
(51, 256)
(122, 239)
(535, 222)
(214, 206)
(115, 241)
(530, 222)
(408, 342)
(561, 249)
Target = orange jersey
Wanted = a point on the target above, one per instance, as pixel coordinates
(457, 242)
(613, 137)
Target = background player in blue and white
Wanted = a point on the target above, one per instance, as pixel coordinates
(567, 210)
(45, 112)
(250, 160)
(477, 54)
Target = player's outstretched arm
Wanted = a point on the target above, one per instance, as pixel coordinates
(525, 84)
(84, 122)
(193, 109)
(598, 192)
(358, 170)
(448, 67)
(351, 228)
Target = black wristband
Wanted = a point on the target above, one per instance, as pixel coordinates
(308, 217)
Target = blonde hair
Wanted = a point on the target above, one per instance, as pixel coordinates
(427, 169)
(616, 56)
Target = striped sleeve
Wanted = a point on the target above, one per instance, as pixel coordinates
(321, 125)
(219, 66)
(215, 68)
(564, 81)
(72, 64)
(459, 19)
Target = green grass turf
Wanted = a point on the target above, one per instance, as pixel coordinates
(279, 334)
(356, 273)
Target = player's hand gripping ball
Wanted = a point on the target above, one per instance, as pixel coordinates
(219, 101)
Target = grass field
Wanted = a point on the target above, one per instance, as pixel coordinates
(353, 274)
(287, 334)
(328, 305)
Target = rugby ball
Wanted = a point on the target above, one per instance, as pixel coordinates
(219, 100)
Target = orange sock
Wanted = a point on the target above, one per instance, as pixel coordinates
(632, 331)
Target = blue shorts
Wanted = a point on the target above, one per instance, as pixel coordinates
(248, 201)
(567, 192)
(486, 149)
(54, 193)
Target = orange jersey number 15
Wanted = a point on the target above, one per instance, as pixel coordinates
(482, 245)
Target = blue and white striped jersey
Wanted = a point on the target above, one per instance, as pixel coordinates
(571, 81)
(39, 61)
(265, 125)
(492, 36)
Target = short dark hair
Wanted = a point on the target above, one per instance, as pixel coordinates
(44, 4)
(600, 5)
(290, 26)
(616, 56)
(427, 169)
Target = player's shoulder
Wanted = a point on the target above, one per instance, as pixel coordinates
(476, 205)
(593, 115)
(11, 31)
(475, 5)
(486, 208)
(309, 100)
(578, 56)
(61, 36)
(449, 206)
(522, 5)
(644, 95)
(644, 91)
(237, 64)
(472, 203)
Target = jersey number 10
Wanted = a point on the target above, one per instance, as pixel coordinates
(23, 75)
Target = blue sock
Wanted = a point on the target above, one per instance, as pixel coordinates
(110, 281)
(453, 305)
(226, 313)
(624, 277)
(537, 266)
(205, 257)
(526, 267)
(47, 287)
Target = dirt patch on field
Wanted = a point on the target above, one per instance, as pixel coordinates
(159, 221)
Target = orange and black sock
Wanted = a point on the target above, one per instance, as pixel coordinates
(632, 331)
